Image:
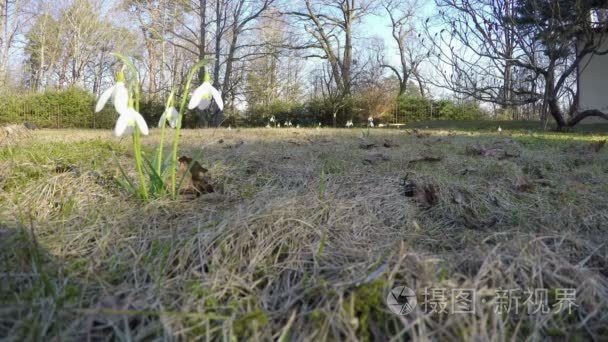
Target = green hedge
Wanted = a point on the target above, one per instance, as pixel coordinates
(69, 108)
(416, 108)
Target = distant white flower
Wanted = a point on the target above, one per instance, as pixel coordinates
(279, 125)
(272, 119)
(120, 97)
(286, 124)
(370, 122)
(289, 123)
(319, 124)
(298, 126)
(229, 128)
(268, 126)
(170, 115)
(499, 129)
(202, 96)
(349, 123)
(128, 120)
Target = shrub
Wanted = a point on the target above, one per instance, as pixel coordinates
(417, 108)
(259, 115)
(69, 108)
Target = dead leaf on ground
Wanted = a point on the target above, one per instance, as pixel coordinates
(482, 151)
(471, 220)
(523, 184)
(499, 152)
(425, 159)
(375, 158)
(468, 170)
(426, 194)
(198, 182)
(64, 168)
(389, 144)
(237, 144)
(221, 141)
(366, 145)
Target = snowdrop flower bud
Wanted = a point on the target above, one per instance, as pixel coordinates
(170, 115)
(127, 122)
(202, 96)
(119, 94)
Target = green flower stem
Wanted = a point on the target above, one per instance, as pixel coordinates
(138, 163)
(182, 107)
(134, 84)
(159, 160)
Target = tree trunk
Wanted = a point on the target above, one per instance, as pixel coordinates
(203, 36)
(218, 43)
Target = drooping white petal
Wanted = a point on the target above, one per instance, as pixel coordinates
(121, 98)
(217, 97)
(197, 96)
(121, 125)
(136, 118)
(103, 98)
(174, 114)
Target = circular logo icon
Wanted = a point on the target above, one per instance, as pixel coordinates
(401, 300)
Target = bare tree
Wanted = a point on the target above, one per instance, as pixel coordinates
(403, 17)
(12, 18)
(481, 42)
(330, 24)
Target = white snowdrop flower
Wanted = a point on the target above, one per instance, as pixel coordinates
(349, 123)
(229, 128)
(203, 95)
(499, 129)
(298, 126)
(119, 94)
(279, 125)
(272, 119)
(127, 122)
(170, 115)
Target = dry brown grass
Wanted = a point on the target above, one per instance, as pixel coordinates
(304, 238)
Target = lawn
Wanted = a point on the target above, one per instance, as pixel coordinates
(306, 234)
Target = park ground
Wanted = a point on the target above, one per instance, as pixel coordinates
(306, 233)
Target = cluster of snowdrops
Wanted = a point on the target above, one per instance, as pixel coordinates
(154, 174)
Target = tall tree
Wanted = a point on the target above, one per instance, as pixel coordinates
(481, 42)
(12, 18)
(330, 24)
(403, 17)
